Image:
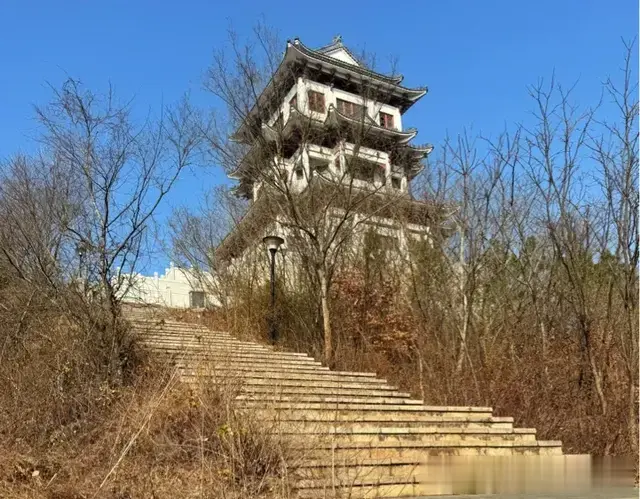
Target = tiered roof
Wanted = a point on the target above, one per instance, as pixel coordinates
(338, 63)
(330, 60)
(261, 213)
(336, 119)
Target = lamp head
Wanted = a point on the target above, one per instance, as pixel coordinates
(272, 242)
(80, 250)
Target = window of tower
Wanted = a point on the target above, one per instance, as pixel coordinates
(299, 173)
(363, 170)
(320, 166)
(396, 182)
(196, 299)
(350, 109)
(316, 101)
(386, 120)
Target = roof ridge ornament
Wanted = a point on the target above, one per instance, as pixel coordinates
(337, 39)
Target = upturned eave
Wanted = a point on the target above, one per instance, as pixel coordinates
(296, 51)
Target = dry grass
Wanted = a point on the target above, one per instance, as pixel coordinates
(70, 430)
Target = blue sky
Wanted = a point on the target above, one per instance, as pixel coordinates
(476, 57)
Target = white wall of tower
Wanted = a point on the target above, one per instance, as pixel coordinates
(332, 95)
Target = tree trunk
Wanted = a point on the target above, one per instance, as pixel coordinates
(595, 372)
(632, 405)
(542, 328)
(463, 339)
(326, 316)
(545, 347)
(113, 332)
(465, 303)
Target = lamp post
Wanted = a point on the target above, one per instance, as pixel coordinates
(81, 251)
(273, 243)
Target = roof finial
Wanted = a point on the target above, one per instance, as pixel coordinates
(337, 39)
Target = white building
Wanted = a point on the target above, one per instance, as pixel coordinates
(177, 287)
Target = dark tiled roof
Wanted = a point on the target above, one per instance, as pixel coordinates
(321, 55)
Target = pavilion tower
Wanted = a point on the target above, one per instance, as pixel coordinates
(326, 118)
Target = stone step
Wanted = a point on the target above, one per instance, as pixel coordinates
(347, 474)
(426, 480)
(204, 337)
(410, 410)
(401, 431)
(223, 372)
(441, 468)
(215, 351)
(367, 491)
(309, 466)
(190, 335)
(433, 425)
(357, 487)
(162, 334)
(170, 330)
(410, 440)
(362, 488)
(329, 384)
(185, 334)
(419, 452)
(226, 349)
(344, 478)
(318, 373)
(172, 327)
(204, 348)
(163, 320)
(228, 344)
(202, 367)
(329, 399)
(330, 419)
(220, 342)
(182, 331)
(291, 391)
(222, 355)
(277, 392)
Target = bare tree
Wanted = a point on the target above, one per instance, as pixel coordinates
(319, 219)
(556, 152)
(616, 155)
(79, 213)
(196, 233)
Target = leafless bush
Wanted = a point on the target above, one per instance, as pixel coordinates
(74, 219)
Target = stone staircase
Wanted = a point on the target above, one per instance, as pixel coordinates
(357, 436)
